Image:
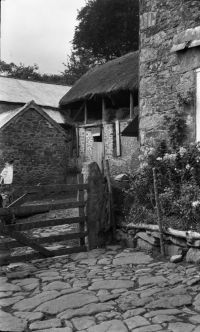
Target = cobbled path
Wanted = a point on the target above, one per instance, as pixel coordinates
(104, 290)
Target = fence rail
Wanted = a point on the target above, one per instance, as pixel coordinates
(94, 219)
(14, 236)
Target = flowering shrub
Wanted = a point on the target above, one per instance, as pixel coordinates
(178, 178)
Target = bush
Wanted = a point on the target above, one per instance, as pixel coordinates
(178, 179)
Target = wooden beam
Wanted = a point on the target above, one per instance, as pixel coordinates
(18, 201)
(33, 242)
(25, 240)
(34, 209)
(46, 189)
(25, 226)
(94, 124)
(78, 112)
(57, 252)
(131, 105)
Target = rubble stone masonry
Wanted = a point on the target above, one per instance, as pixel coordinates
(127, 161)
(167, 79)
(39, 150)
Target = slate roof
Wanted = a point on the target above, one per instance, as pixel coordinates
(54, 117)
(20, 91)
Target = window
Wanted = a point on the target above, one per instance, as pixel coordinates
(198, 105)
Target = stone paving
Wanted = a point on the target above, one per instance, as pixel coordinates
(104, 290)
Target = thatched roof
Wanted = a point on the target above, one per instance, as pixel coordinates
(14, 90)
(111, 77)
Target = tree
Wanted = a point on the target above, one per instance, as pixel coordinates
(21, 71)
(79, 62)
(107, 28)
(31, 73)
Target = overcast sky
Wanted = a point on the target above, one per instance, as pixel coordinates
(38, 31)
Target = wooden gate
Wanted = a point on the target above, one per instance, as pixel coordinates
(15, 231)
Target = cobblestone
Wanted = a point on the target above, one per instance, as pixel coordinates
(102, 291)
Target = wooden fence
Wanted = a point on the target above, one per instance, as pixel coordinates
(15, 231)
(94, 220)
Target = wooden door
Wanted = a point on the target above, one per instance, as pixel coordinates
(98, 153)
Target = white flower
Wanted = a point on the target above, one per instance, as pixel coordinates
(169, 156)
(143, 165)
(187, 166)
(195, 204)
(182, 151)
(159, 159)
(141, 157)
(151, 151)
(198, 146)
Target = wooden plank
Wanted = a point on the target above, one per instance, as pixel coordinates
(94, 124)
(52, 188)
(42, 223)
(81, 209)
(25, 240)
(62, 237)
(40, 240)
(33, 209)
(118, 143)
(57, 252)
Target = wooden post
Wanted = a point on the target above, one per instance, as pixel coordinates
(158, 213)
(77, 141)
(85, 113)
(103, 110)
(94, 204)
(111, 205)
(131, 105)
(80, 197)
(118, 142)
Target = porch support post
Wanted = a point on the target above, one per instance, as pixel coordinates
(103, 109)
(85, 113)
(131, 105)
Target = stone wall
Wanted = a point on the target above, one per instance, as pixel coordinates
(127, 161)
(167, 79)
(39, 150)
(178, 244)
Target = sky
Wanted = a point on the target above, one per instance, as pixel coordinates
(38, 32)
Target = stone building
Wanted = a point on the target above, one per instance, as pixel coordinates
(169, 66)
(104, 106)
(34, 135)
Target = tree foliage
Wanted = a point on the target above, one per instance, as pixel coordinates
(30, 73)
(78, 63)
(107, 28)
